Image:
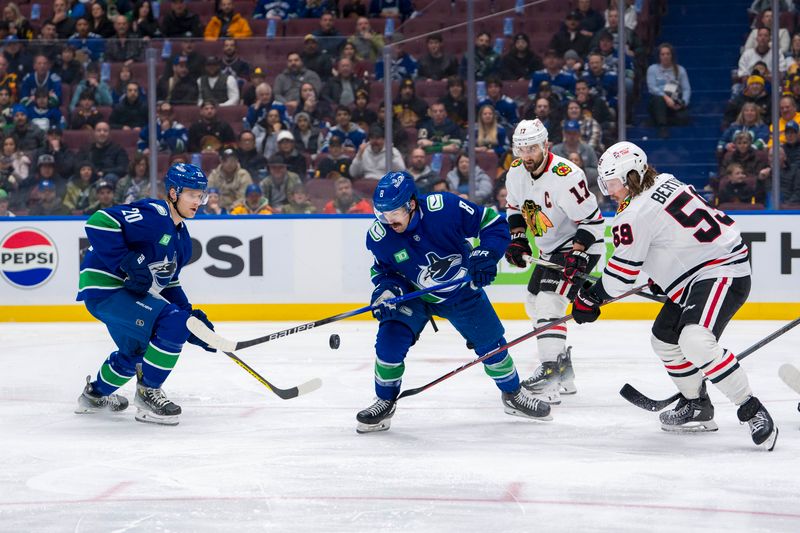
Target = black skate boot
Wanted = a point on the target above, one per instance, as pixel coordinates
(376, 417)
(762, 428)
(567, 373)
(89, 402)
(690, 416)
(545, 383)
(522, 403)
(154, 407)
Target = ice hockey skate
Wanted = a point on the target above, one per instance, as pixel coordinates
(522, 403)
(154, 407)
(376, 417)
(566, 372)
(762, 428)
(89, 402)
(545, 383)
(690, 416)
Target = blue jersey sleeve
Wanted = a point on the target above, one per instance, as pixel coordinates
(484, 223)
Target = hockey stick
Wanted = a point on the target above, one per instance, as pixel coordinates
(284, 394)
(537, 331)
(205, 334)
(640, 400)
(584, 276)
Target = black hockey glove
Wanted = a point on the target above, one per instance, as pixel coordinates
(586, 307)
(382, 293)
(201, 316)
(482, 267)
(138, 278)
(518, 249)
(576, 263)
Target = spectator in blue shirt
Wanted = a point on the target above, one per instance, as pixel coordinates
(86, 43)
(41, 77)
(390, 8)
(561, 81)
(276, 9)
(403, 65)
(42, 114)
(505, 106)
(602, 83)
(171, 135)
(670, 92)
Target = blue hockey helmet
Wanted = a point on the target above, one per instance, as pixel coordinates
(186, 175)
(394, 190)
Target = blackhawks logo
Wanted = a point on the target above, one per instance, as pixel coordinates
(536, 220)
(623, 204)
(561, 169)
(516, 162)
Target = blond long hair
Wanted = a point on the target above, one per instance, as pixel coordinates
(487, 136)
(637, 185)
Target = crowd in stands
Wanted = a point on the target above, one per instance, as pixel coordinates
(296, 124)
(745, 148)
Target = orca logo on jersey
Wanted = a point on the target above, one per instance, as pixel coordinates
(536, 220)
(440, 270)
(561, 169)
(164, 270)
(28, 258)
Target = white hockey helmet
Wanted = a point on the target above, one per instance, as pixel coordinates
(617, 161)
(529, 133)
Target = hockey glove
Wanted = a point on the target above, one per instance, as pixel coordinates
(201, 316)
(576, 263)
(482, 267)
(518, 249)
(382, 293)
(138, 278)
(586, 307)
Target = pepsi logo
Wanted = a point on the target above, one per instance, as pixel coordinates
(28, 258)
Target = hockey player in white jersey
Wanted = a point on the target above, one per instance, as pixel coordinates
(549, 196)
(695, 253)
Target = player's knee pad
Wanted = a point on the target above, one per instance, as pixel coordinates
(486, 348)
(393, 341)
(171, 327)
(666, 351)
(550, 305)
(699, 344)
(124, 364)
(530, 306)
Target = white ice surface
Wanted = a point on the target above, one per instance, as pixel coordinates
(244, 460)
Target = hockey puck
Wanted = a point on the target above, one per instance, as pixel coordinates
(334, 341)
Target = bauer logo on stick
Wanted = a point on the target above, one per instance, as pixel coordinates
(28, 258)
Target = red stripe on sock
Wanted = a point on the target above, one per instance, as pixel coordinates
(722, 365)
(681, 366)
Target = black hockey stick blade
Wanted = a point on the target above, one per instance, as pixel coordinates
(640, 400)
(284, 394)
(412, 392)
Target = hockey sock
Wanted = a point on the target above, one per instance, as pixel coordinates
(500, 367)
(719, 365)
(391, 346)
(684, 374)
(165, 346)
(116, 371)
(551, 306)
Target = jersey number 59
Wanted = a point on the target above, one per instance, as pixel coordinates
(704, 213)
(623, 234)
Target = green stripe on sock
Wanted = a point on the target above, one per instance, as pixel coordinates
(156, 357)
(111, 377)
(502, 369)
(389, 373)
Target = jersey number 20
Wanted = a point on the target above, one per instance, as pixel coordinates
(704, 213)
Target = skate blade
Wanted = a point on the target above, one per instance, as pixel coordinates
(83, 409)
(383, 425)
(151, 418)
(692, 427)
(769, 444)
(513, 412)
(568, 388)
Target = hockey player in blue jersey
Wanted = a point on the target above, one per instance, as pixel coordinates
(129, 280)
(419, 242)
